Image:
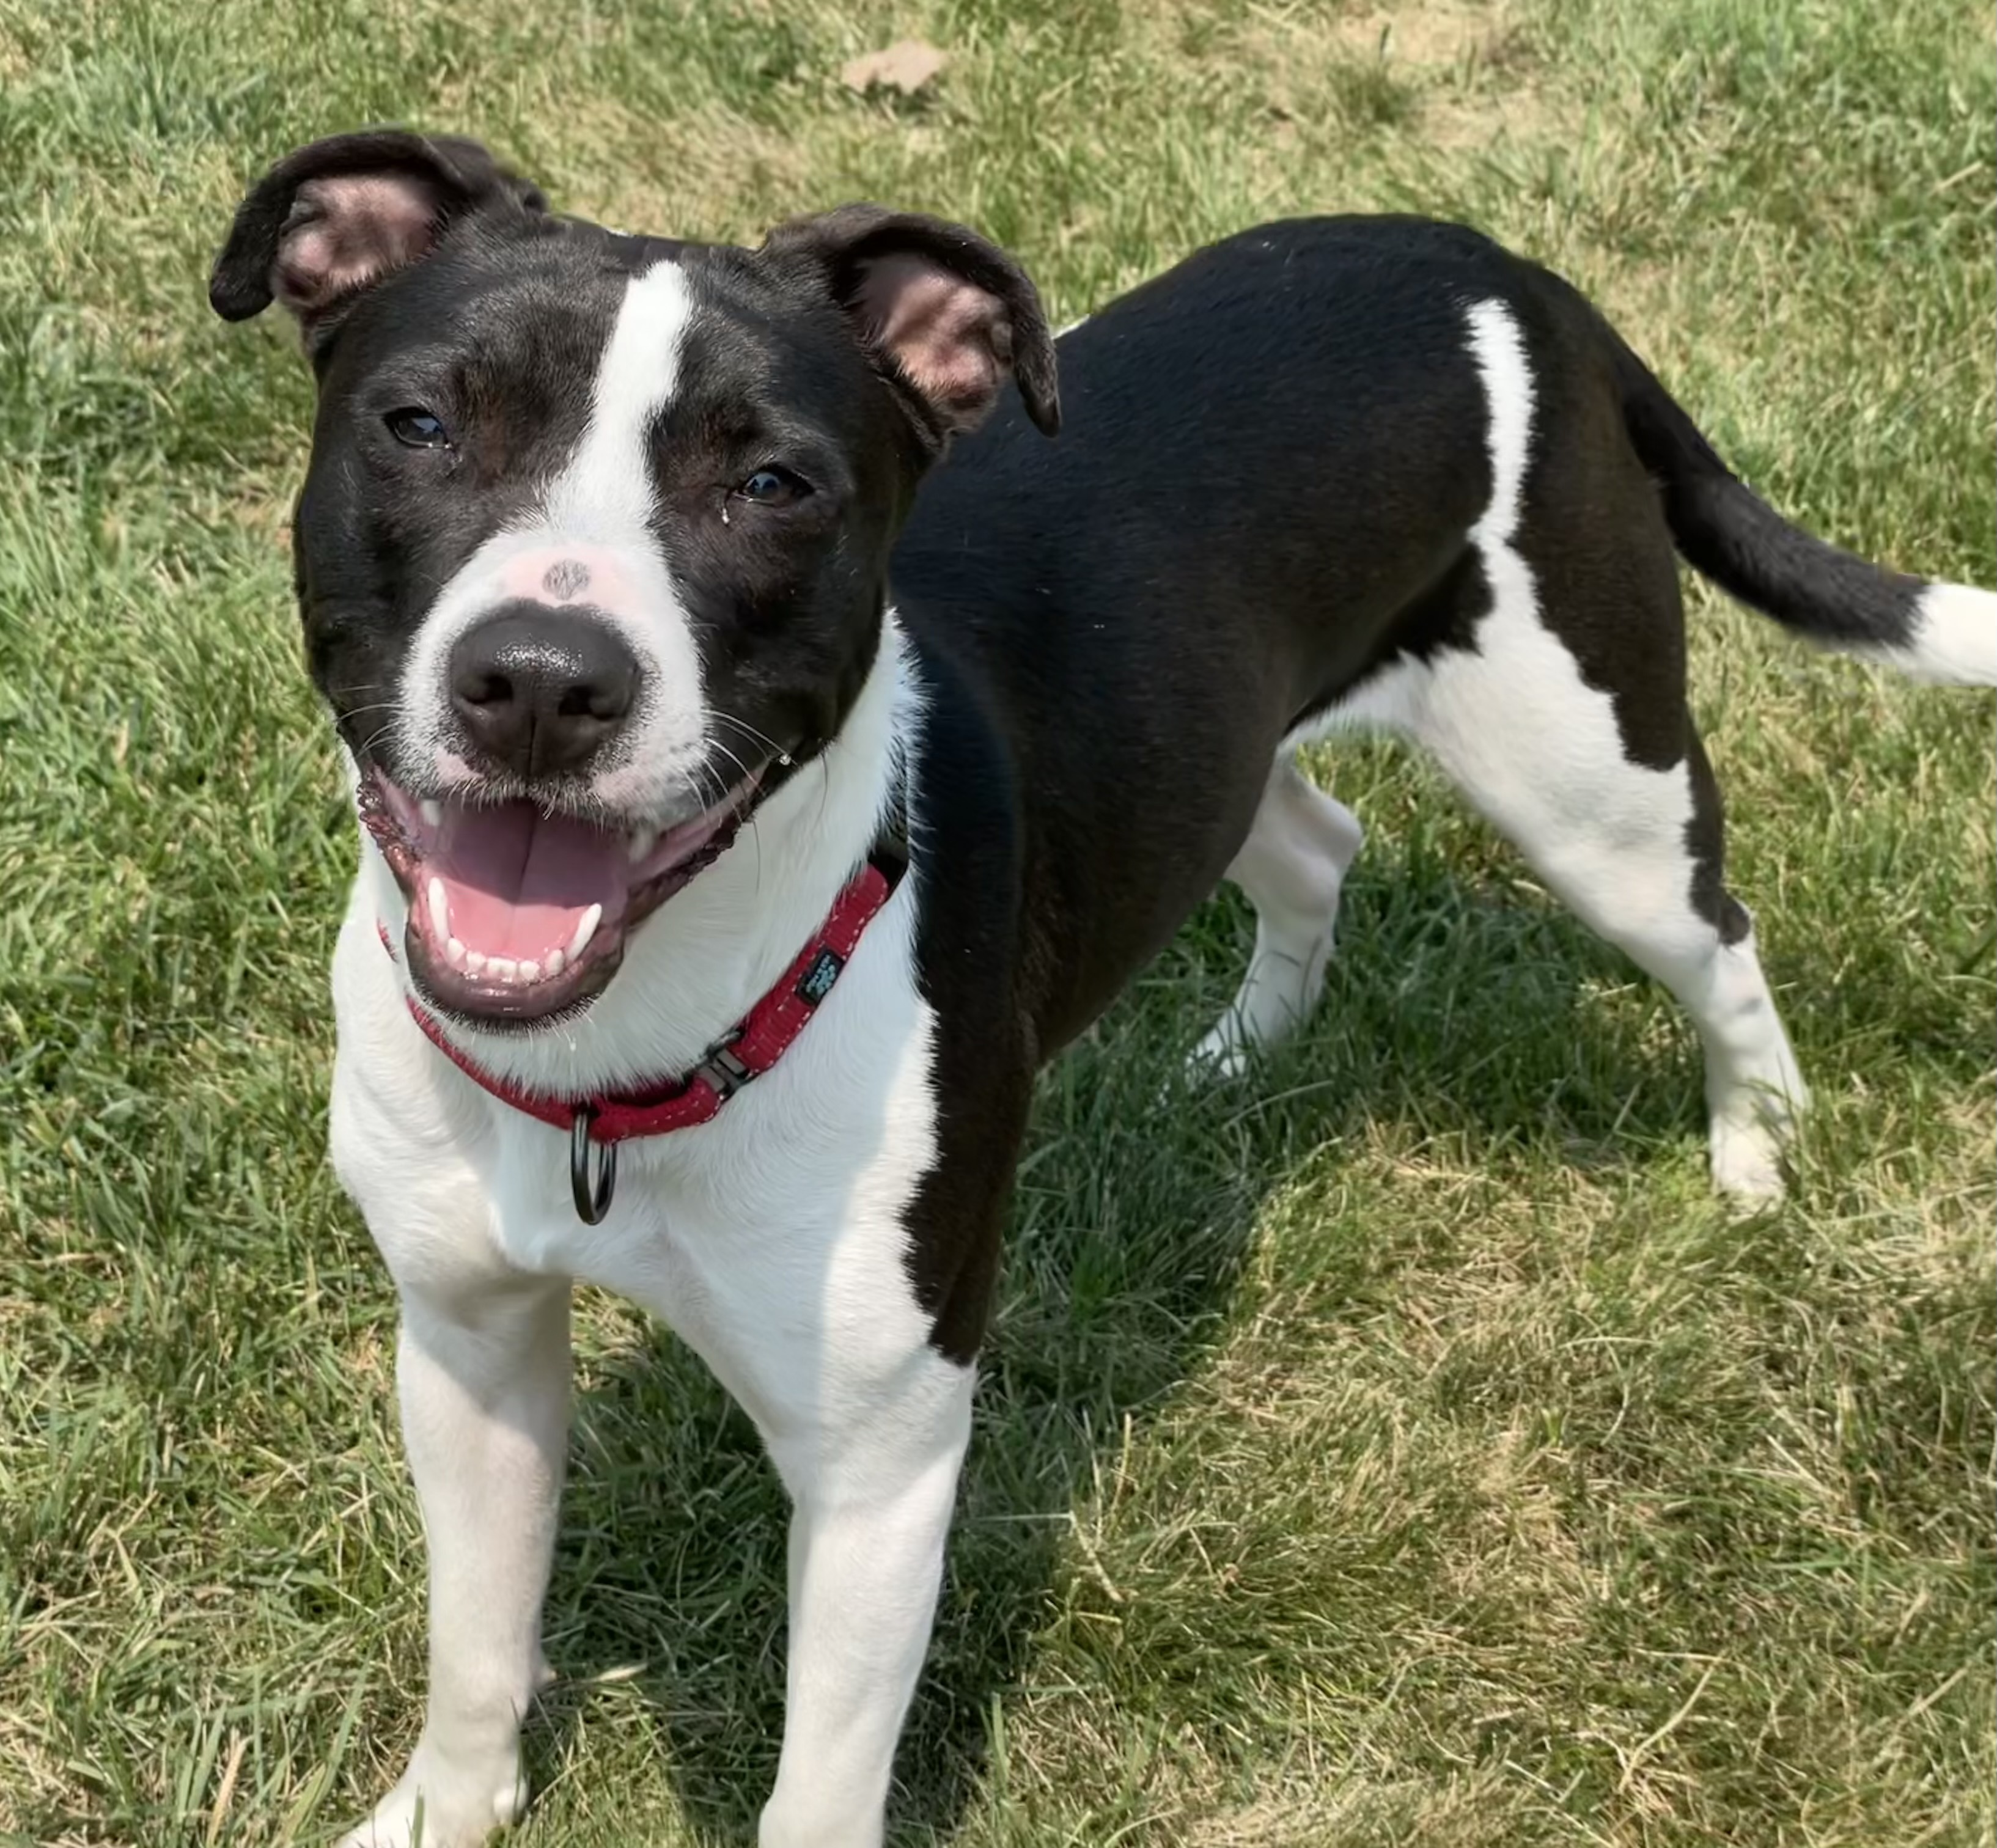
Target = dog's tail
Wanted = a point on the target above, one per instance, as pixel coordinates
(1938, 632)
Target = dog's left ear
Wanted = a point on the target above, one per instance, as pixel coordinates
(948, 315)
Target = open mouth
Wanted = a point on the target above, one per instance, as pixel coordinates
(518, 914)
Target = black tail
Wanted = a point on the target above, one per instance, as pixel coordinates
(1730, 534)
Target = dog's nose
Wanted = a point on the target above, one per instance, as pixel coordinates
(540, 690)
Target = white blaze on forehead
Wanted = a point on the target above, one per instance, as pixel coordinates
(595, 517)
(605, 492)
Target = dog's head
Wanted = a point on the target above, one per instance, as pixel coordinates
(592, 550)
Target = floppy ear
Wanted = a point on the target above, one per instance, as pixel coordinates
(335, 217)
(947, 314)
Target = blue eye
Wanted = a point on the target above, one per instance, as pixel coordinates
(415, 428)
(773, 488)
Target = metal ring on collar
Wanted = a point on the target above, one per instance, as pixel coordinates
(592, 1198)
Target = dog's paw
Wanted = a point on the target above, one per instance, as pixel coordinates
(813, 1825)
(1284, 982)
(1747, 1163)
(1222, 1057)
(437, 1805)
(1753, 1131)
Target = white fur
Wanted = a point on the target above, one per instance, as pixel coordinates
(1500, 354)
(1955, 638)
(1292, 867)
(606, 491)
(1537, 749)
(594, 510)
(772, 1239)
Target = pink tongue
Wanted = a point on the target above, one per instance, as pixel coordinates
(519, 881)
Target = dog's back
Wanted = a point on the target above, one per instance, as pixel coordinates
(1379, 471)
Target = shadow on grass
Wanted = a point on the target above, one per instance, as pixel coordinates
(1452, 1012)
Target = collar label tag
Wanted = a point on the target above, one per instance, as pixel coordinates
(816, 981)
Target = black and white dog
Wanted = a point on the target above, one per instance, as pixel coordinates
(655, 675)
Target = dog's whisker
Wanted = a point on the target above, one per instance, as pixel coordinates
(742, 725)
(733, 759)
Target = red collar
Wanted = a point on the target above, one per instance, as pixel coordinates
(745, 1051)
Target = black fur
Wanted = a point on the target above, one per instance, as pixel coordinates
(1270, 459)
(1742, 543)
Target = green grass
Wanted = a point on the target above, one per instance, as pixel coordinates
(1408, 1451)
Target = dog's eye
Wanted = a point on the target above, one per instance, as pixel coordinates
(415, 428)
(773, 488)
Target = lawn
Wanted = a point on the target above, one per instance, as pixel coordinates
(1408, 1450)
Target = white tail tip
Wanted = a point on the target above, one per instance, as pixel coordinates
(1954, 637)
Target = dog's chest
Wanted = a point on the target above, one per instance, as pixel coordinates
(783, 1225)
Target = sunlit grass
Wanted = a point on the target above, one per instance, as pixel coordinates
(1404, 1449)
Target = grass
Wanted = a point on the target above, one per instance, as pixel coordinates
(1408, 1450)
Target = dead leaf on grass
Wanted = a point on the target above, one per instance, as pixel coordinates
(906, 65)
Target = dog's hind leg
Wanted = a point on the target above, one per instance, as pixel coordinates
(1652, 884)
(1635, 850)
(1560, 713)
(1292, 867)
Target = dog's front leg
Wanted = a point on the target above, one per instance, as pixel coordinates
(872, 1493)
(484, 1377)
(482, 1373)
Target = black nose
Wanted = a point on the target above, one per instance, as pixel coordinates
(539, 690)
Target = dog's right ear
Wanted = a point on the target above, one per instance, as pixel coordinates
(334, 218)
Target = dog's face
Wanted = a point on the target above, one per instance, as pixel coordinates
(592, 550)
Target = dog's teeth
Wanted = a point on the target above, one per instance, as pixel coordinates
(553, 963)
(502, 969)
(474, 961)
(530, 970)
(585, 931)
(455, 950)
(440, 909)
(642, 843)
(432, 810)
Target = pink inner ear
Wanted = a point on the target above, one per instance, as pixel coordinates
(951, 338)
(350, 230)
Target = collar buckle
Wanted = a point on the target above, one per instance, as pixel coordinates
(725, 1073)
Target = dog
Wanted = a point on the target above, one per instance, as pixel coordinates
(739, 833)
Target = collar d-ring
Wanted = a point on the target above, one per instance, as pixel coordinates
(592, 1197)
